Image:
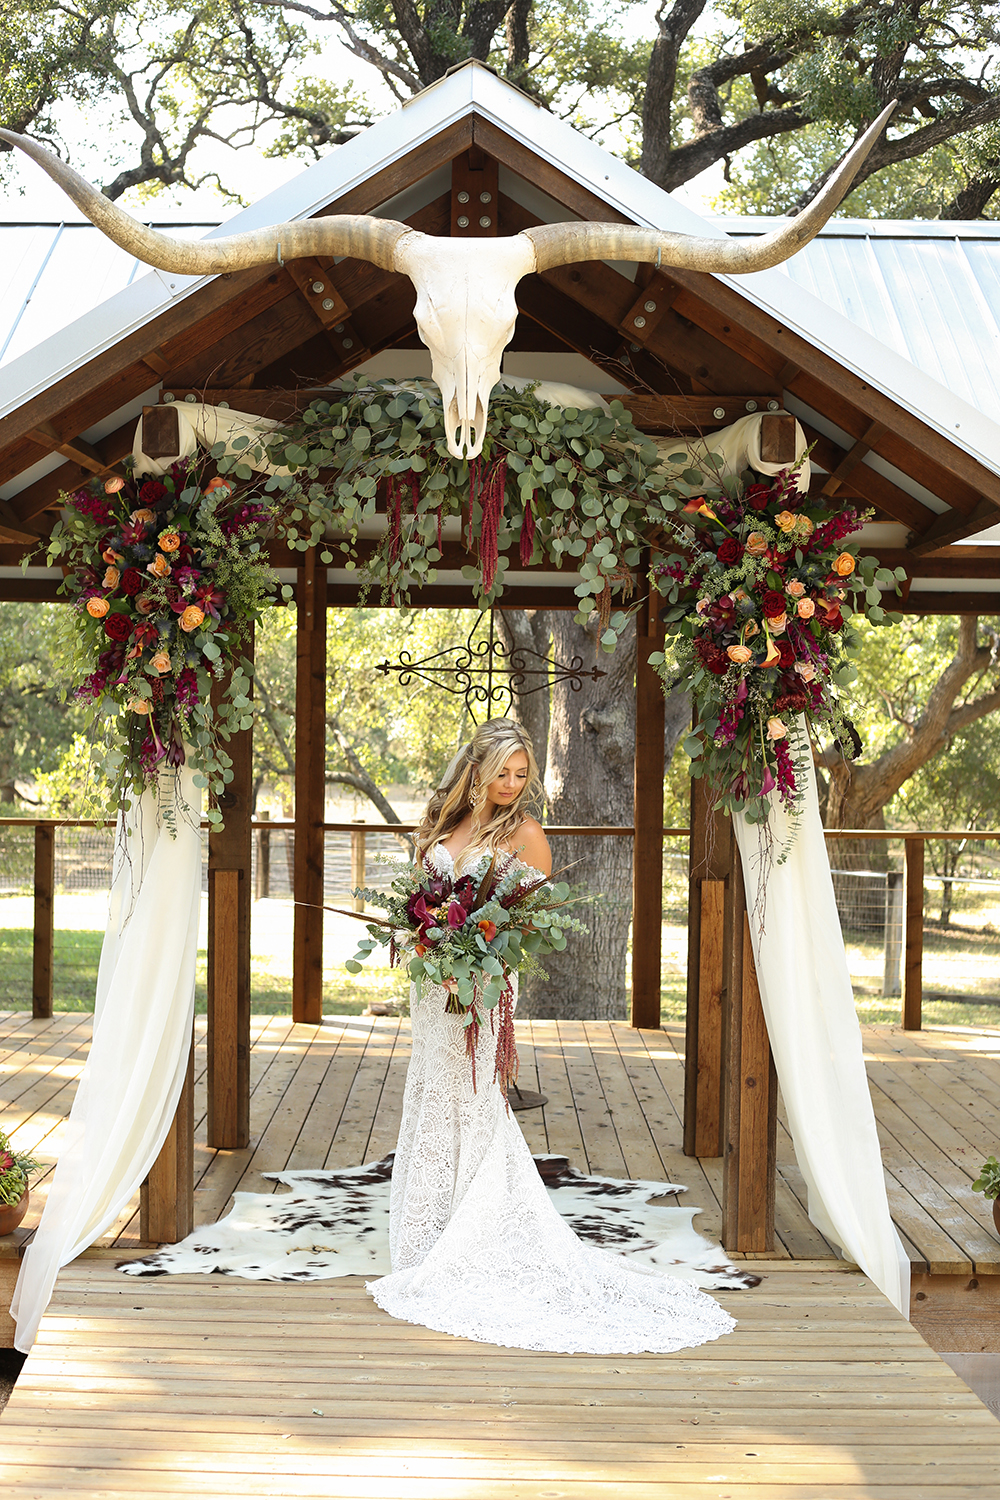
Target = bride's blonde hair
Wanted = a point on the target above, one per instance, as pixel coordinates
(477, 764)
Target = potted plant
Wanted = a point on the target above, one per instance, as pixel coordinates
(15, 1169)
(988, 1183)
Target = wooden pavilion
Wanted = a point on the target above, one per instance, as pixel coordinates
(694, 352)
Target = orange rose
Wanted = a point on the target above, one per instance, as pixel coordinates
(191, 618)
(160, 662)
(777, 624)
(159, 567)
(97, 608)
(844, 565)
(785, 520)
(756, 544)
(739, 654)
(805, 609)
(138, 706)
(776, 730)
(169, 541)
(750, 629)
(142, 517)
(114, 484)
(111, 578)
(796, 588)
(144, 604)
(804, 526)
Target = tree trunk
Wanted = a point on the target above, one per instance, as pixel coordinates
(591, 748)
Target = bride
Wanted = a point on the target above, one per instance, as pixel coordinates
(477, 1247)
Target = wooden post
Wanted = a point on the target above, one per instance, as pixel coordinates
(229, 893)
(710, 864)
(44, 938)
(310, 791)
(751, 1095)
(262, 885)
(647, 844)
(357, 864)
(892, 982)
(913, 902)
(166, 1198)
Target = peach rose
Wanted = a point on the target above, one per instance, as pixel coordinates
(739, 654)
(138, 706)
(142, 517)
(785, 520)
(97, 608)
(776, 730)
(750, 629)
(844, 565)
(804, 526)
(805, 609)
(114, 484)
(806, 670)
(112, 578)
(191, 618)
(159, 567)
(160, 662)
(168, 541)
(796, 588)
(777, 624)
(756, 544)
(144, 604)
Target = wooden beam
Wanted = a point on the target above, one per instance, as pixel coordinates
(952, 526)
(913, 949)
(45, 492)
(474, 195)
(647, 843)
(748, 1186)
(166, 1198)
(870, 484)
(310, 791)
(229, 896)
(43, 949)
(852, 458)
(711, 855)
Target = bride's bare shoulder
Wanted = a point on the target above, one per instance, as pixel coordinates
(532, 847)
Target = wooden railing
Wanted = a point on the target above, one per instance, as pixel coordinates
(911, 895)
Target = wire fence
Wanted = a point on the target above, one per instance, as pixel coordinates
(960, 931)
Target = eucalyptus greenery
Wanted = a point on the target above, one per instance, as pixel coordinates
(579, 487)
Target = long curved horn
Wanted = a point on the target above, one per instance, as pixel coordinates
(357, 235)
(562, 244)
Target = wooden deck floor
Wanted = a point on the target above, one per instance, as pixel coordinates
(195, 1386)
(331, 1095)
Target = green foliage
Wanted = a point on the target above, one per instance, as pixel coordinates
(988, 1181)
(38, 716)
(15, 1169)
(569, 484)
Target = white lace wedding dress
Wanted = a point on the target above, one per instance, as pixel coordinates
(477, 1247)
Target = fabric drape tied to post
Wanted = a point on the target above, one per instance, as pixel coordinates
(138, 1059)
(805, 990)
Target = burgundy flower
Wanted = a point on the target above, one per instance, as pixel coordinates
(153, 492)
(757, 496)
(456, 914)
(786, 655)
(131, 581)
(187, 688)
(711, 656)
(774, 604)
(730, 552)
(118, 627)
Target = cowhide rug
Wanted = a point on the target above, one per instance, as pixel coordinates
(337, 1224)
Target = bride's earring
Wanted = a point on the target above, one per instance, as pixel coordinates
(477, 796)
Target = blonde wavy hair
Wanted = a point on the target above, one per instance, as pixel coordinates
(480, 762)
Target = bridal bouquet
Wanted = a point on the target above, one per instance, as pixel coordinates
(761, 594)
(469, 936)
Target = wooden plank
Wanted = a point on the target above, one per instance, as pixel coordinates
(349, 1146)
(913, 952)
(44, 920)
(310, 791)
(603, 1152)
(647, 842)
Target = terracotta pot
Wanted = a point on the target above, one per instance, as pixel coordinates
(996, 1213)
(11, 1214)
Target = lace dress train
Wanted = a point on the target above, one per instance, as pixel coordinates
(477, 1247)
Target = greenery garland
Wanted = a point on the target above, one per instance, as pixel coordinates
(564, 485)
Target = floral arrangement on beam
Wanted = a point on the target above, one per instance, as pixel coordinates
(561, 485)
(761, 595)
(166, 576)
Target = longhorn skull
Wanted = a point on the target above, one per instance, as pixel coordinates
(465, 309)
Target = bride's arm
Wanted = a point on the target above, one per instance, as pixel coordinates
(532, 847)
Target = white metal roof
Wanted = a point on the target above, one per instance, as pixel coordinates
(914, 309)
